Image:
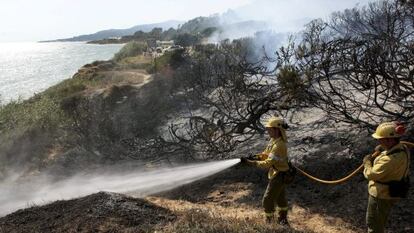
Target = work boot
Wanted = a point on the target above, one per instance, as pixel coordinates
(270, 218)
(282, 219)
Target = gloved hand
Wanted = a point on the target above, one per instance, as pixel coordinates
(244, 160)
(368, 158)
(252, 157)
(379, 148)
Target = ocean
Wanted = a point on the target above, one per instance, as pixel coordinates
(28, 68)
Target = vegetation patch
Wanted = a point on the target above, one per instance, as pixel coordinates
(131, 49)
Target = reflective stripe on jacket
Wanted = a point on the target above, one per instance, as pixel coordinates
(276, 160)
(389, 165)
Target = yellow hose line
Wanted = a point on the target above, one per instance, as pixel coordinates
(360, 168)
(409, 144)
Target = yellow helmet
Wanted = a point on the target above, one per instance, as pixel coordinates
(389, 130)
(277, 122)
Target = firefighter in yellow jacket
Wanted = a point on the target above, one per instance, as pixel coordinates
(274, 158)
(392, 164)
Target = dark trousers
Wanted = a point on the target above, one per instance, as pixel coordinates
(275, 194)
(378, 211)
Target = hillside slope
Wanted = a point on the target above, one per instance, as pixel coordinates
(108, 102)
(226, 202)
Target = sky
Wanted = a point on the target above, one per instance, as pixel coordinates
(34, 20)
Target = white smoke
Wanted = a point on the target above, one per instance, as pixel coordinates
(276, 17)
(291, 15)
(17, 195)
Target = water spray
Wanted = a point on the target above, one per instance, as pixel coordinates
(138, 184)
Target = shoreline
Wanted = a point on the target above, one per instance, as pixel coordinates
(48, 65)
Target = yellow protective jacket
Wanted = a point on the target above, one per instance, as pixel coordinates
(274, 157)
(389, 165)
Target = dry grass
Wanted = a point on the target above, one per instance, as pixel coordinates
(232, 217)
(212, 219)
(136, 62)
(141, 59)
(231, 202)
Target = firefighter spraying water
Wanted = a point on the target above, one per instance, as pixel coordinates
(274, 158)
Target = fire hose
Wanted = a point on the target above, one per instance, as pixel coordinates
(352, 174)
(360, 168)
(346, 178)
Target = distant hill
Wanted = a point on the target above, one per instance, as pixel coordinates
(120, 32)
(213, 28)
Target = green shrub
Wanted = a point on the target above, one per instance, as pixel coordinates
(170, 58)
(187, 39)
(137, 62)
(291, 84)
(131, 49)
(66, 88)
(40, 112)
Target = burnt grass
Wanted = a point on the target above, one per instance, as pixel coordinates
(100, 212)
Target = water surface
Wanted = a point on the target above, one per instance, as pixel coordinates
(29, 68)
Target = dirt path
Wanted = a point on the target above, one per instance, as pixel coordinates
(133, 77)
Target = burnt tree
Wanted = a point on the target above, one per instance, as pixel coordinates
(360, 63)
